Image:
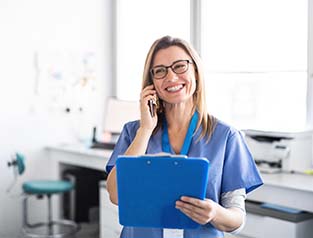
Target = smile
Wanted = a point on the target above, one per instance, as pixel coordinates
(175, 88)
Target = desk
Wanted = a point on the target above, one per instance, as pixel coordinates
(76, 155)
(79, 155)
(291, 190)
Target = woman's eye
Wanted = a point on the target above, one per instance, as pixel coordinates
(179, 67)
(159, 70)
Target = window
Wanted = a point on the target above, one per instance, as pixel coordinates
(137, 30)
(255, 55)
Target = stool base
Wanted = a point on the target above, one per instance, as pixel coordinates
(54, 229)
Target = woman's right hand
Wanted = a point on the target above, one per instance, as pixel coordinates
(140, 143)
(147, 122)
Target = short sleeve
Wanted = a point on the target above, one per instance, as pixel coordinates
(239, 169)
(124, 141)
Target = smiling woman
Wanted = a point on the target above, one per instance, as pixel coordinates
(181, 125)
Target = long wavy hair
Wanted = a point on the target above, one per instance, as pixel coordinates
(205, 120)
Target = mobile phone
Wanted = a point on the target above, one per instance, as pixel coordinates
(151, 105)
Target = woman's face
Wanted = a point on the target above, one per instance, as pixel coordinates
(174, 88)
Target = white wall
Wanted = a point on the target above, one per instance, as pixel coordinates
(310, 68)
(52, 33)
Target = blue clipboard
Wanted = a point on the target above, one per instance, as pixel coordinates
(149, 186)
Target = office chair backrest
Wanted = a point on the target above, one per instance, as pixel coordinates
(20, 160)
(18, 165)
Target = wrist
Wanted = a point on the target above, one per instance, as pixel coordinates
(215, 212)
(144, 132)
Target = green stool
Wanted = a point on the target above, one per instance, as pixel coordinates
(41, 188)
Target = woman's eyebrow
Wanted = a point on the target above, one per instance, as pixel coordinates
(158, 65)
(167, 65)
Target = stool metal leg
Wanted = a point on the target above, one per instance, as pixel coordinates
(50, 223)
(28, 229)
(25, 211)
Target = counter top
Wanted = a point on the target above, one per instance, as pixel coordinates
(295, 181)
(287, 189)
(79, 155)
(80, 149)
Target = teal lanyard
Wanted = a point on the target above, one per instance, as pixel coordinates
(191, 129)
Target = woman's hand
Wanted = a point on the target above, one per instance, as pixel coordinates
(201, 211)
(204, 211)
(146, 121)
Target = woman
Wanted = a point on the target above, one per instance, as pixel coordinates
(173, 77)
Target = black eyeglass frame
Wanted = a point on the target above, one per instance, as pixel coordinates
(171, 66)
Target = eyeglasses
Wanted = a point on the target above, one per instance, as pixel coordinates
(178, 67)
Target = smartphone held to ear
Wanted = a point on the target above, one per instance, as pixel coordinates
(151, 104)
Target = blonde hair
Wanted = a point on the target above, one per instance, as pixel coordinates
(205, 120)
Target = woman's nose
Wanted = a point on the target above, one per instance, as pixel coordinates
(171, 75)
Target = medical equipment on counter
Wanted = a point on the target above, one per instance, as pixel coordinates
(281, 151)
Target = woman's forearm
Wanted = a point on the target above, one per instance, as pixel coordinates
(140, 142)
(111, 186)
(137, 147)
(228, 219)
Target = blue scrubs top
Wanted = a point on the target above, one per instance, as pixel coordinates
(231, 167)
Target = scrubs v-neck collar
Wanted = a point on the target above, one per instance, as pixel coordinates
(166, 146)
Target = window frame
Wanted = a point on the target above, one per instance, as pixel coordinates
(195, 38)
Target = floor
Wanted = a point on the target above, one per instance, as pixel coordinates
(92, 231)
(88, 230)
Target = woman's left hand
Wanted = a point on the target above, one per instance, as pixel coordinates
(201, 211)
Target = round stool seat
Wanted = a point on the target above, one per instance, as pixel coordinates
(47, 186)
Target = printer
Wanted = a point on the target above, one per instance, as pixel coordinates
(281, 151)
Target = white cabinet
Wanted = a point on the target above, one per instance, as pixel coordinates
(264, 227)
(109, 225)
(265, 223)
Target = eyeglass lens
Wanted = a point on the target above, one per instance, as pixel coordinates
(177, 67)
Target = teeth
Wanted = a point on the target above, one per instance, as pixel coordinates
(174, 88)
